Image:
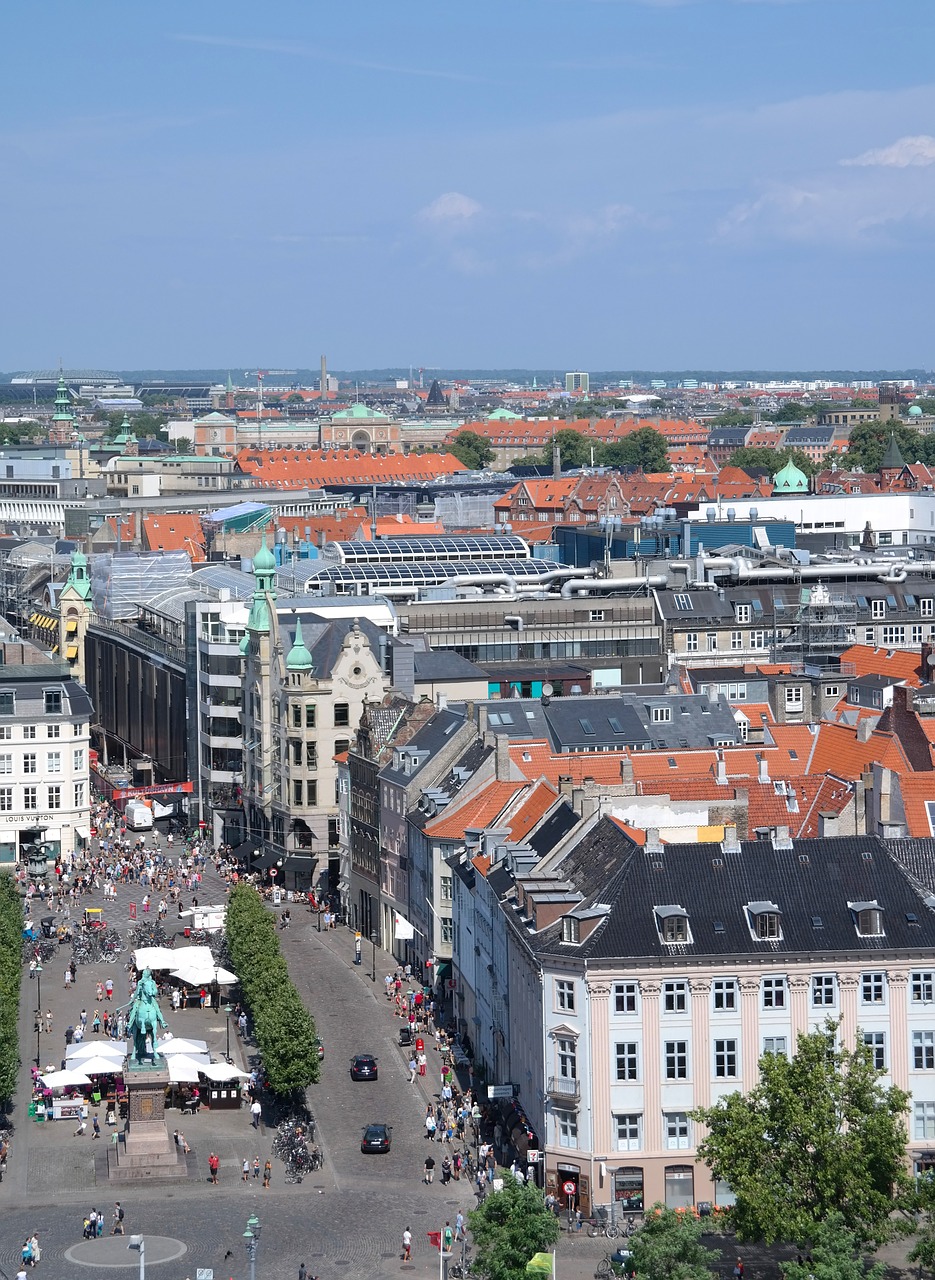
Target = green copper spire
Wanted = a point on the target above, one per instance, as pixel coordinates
(63, 411)
(264, 570)
(892, 460)
(299, 657)
(78, 575)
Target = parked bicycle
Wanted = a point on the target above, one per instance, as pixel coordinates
(602, 1225)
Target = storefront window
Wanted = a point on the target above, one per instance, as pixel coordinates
(628, 1189)
(680, 1186)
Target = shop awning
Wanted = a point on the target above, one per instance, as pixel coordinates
(83, 834)
(71, 626)
(71, 652)
(54, 648)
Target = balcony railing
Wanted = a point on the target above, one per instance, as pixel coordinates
(564, 1088)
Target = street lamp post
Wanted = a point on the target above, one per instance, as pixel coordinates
(139, 1244)
(228, 1011)
(38, 1010)
(251, 1239)
(373, 974)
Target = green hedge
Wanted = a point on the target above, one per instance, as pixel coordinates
(284, 1028)
(11, 969)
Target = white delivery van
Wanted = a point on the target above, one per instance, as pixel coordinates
(139, 816)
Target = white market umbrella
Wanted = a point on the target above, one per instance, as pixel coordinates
(224, 1071)
(154, 957)
(65, 1079)
(178, 1044)
(101, 1066)
(77, 1054)
(186, 1070)
(193, 975)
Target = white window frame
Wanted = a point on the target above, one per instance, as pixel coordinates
(873, 988)
(677, 1127)
(626, 994)
(724, 995)
(565, 994)
(923, 1050)
(823, 986)
(774, 992)
(675, 996)
(629, 1130)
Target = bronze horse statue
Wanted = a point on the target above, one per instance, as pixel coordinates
(145, 1018)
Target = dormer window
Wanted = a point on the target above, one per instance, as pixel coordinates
(868, 916)
(765, 921)
(571, 929)
(672, 923)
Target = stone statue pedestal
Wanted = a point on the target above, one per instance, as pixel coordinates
(148, 1152)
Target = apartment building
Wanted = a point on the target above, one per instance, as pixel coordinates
(667, 971)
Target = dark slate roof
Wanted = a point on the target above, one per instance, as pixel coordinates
(810, 882)
(553, 829)
(468, 763)
(431, 737)
(917, 858)
(808, 435)
(445, 664)
(704, 605)
(577, 723)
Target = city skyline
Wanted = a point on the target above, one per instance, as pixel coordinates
(567, 183)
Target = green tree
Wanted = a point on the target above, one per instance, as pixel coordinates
(923, 1251)
(509, 1227)
(835, 1254)
(791, 411)
(471, 449)
(867, 444)
(668, 1247)
(183, 444)
(819, 1133)
(771, 460)
(645, 448)
(575, 448)
(11, 943)
(284, 1028)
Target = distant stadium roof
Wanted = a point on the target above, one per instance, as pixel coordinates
(87, 376)
(387, 550)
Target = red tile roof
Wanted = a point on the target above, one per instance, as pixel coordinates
(175, 533)
(895, 664)
(316, 469)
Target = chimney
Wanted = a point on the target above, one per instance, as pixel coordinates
(441, 701)
(502, 758)
(653, 843)
(764, 769)
(324, 378)
(827, 824)
(556, 462)
(865, 729)
(928, 661)
(781, 838)
(720, 776)
(626, 771)
(730, 843)
(565, 784)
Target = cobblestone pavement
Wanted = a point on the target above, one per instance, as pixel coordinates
(345, 1220)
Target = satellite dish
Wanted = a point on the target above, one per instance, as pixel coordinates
(547, 690)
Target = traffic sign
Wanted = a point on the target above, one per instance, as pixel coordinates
(499, 1091)
(204, 1273)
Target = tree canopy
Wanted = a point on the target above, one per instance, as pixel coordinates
(819, 1134)
(644, 448)
(867, 444)
(471, 449)
(11, 947)
(668, 1247)
(833, 1254)
(509, 1227)
(771, 460)
(285, 1031)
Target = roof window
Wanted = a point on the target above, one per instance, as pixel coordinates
(672, 923)
(765, 920)
(868, 917)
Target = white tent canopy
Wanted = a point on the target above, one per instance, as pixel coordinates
(155, 957)
(77, 1053)
(100, 1066)
(187, 1070)
(224, 1071)
(65, 1079)
(196, 975)
(180, 1044)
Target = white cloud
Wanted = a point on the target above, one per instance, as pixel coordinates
(904, 152)
(452, 209)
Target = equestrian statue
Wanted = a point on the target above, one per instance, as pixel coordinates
(144, 1018)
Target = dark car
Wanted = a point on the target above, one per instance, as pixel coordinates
(376, 1139)
(364, 1067)
(406, 1036)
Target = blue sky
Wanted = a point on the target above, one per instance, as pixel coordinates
(578, 183)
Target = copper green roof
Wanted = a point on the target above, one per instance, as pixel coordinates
(790, 480)
(299, 658)
(892, 460)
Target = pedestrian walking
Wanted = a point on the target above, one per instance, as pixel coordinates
(48, 1022)
(117, 1229)
(429, 1171)
(109, 989)
(99, 996)
(256, 1111)
(412, 1070)
(67, 978)
(303, 1271)
(242, 1024)
(407, 1245)
(213, 1163)
(34, 1246)
(267, 1173)
(448, 1237)
(245, 1171)
(84, 1017)
(81, 1130)
(256, 1166)
(459, 1226)
(95, 1128)
(423, 1062)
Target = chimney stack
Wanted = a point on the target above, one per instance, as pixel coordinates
(865, 729)
(720, 776)
(730, 843)
(653, 843)
(556, 462)
(324, 377)
(764, 769)
(502, 757)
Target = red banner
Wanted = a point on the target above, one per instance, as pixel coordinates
(132, 910)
